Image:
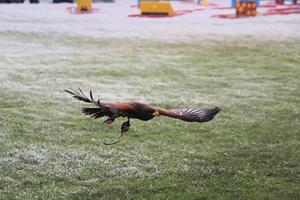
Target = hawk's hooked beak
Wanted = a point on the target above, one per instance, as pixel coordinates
(155, 113)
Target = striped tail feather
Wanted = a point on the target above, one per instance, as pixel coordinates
(196, 115)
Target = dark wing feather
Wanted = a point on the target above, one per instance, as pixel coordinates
(82, 97)
(96, 112)
(101, 110)
(195, 115)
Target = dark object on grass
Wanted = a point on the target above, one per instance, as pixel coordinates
(139, 111)
(19, 1)
(11, 1)
(63, 1)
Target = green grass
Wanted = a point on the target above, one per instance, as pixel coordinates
(49, 150)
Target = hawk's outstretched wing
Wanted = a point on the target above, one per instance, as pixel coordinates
(190, 115)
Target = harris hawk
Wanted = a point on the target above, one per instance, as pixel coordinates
(141, 111)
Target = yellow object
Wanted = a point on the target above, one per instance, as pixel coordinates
(204, 2)
(259, 14)
(84, 5)
(156, 7)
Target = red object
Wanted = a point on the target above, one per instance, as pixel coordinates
(210, 4)
(288, 10)
(283, 11)
(228, 16)
(279, 2)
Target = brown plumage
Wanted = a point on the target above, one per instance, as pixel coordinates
(139, 111)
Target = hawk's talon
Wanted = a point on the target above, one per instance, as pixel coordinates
(125, 126)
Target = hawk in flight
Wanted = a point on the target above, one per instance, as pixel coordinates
(139, 111)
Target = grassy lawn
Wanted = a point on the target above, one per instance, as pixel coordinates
(49, 150)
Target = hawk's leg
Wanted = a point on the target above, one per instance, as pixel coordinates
(125, 126)
(110, 120)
